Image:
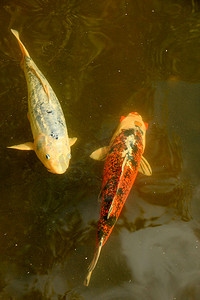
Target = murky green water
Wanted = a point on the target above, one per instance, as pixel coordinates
(103, 59)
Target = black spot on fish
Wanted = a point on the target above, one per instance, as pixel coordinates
(60, 122)
(108, 198)
(54, 135)
(139, 129)
(49, 111)
(111, 221)
(128, 132)
(100, 233)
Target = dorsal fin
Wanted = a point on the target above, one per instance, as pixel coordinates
(42, 83)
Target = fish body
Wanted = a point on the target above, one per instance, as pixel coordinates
(51, 141)
(123, 161)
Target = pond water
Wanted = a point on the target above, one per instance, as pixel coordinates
(103, 59)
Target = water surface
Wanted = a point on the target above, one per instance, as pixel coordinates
(103, 59)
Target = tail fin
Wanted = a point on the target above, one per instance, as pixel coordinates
(93, 263)
(23, 49)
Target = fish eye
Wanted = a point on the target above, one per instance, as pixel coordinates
(47, 156)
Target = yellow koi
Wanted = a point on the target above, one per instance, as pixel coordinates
(51, 142)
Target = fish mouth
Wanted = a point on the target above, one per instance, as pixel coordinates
(51, 171)
(59, 166)
(56, 172)
(134, 113)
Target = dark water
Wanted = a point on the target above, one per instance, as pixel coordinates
(104, 59)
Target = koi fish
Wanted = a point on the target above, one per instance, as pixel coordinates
(51, 142)
(123, 160)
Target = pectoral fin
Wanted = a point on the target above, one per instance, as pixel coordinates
(145, 167)
(25, 146)
(72, 141)
(100, 154)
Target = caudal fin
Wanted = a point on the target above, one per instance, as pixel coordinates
(93, 263)
(23, 49)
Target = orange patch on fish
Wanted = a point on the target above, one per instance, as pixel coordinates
(138, 123)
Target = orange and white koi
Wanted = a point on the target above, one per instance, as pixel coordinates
(51, 142)
(123, 160)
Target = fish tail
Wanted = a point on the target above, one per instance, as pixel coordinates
(93, 263)
(22, 47)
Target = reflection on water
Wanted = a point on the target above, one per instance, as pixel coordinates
(104, 59)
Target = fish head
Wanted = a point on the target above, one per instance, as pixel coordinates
(53, 153)
(132, 120)
(138, 121)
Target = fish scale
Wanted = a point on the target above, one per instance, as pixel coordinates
(40, 105)
(111, 175)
